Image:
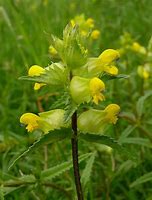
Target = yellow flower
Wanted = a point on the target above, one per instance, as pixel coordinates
(90, 22)
(112, 70)
(108, 56)
(31, 120)
(96, 121)
(138, 48)
(95, 34)
(112, 110)
(72, 22)
(104, 62)
(83, 33)
(144, 71)
(52, 51)
(36, 70)
(84, 89)
(46, 121)
(96, 87)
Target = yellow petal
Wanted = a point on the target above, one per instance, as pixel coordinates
(95, 34)
(112, 70)
(96, 87)
(31, 120)
(35, 70)
(109, 55)
(37, 86)
(112, 111)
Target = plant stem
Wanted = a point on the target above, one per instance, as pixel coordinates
(74, 142)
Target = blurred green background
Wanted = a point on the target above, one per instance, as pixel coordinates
(25, 28)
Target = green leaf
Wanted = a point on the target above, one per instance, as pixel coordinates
(102, 139)
(146, 177)
(140, 103)
(87, 173)
(69, 111)
(126, 132)
(62, 101)
(54, 75)
(137, 140)
(58, 169)
(1, 192)
(106, 77)
(124, 168)
(51, 137)
(150, 45)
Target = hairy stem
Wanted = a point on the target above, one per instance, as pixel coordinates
(74, 142)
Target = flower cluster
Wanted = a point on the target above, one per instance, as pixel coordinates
(81, 78)
(145, 54)
(86, 26)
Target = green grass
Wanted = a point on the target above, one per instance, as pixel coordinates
(25, 29)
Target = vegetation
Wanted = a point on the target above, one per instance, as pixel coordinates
(114, 158)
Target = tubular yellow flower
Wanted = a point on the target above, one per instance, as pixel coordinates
(112, 110)
(83, 33)
(112, 70)
(46, 121)
(52, 51)
(138, 48)
(96, 87)
(95, 34)
(109, 55)
(36, 70)
(31, 120)
(90, 22)
(144, 71)
(96, 121)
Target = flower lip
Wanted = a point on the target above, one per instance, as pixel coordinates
(30, 120)
(112, 112)
(96, 87)
(109, 55)
(35, 70)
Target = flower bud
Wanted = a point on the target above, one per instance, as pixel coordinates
(138, 48)
(144, 71)
(95, 34)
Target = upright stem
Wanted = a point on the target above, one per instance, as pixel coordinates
(74, 142)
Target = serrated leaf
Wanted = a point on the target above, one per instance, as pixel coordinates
(54, 75)
(87, 172)
(146, 177)
(102, 139)
(126, 133)
(51, 137)
(58, 169)
(140, 103)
